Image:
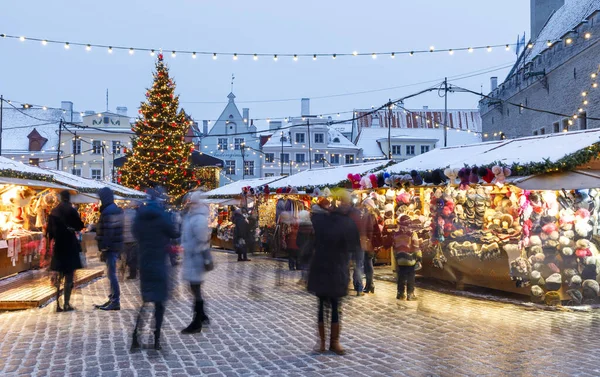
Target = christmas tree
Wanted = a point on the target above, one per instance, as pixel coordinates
(160, 155)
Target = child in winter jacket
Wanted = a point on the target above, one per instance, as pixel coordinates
(408, 253)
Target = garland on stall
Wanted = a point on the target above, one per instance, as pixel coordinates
(8, 173)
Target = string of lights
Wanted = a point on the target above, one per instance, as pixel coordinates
(112, 48)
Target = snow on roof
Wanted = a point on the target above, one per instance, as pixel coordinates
(74, 181)
(368, 136)
(327, 176)
(564, 20)
(235, 188)
(18, 123)
(332, 135)
(343, 127)
(524, 150)
(8, 164)
(465, 119)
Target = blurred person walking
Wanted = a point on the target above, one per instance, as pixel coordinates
(153, 229)
(109, 234)
(129, 243)
(408, 253)
(370, 241)
(63, 223)
(336, 238)
(305, 241)
(197, 258)
(241, 235)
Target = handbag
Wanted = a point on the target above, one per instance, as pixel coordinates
(209, 265)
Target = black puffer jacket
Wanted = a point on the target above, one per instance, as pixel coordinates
(336, 239)
(109, 230)
(65, 258)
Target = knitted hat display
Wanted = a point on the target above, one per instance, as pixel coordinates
(463, 175)
(473, 177)
(552, 299)
(575, 281)
(554, 282)
(537, 292)
(416, 178)
(590, 289)
(437, 177)
(452, 174)
(576, 296)
(536, 278)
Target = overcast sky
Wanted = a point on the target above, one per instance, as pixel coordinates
(46, 75)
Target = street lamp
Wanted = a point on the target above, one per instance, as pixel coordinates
(242, 151)
(281, 155)
(113, 160)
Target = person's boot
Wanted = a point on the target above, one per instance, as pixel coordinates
(196, 325)
(334, 340)
(203, 317)
(320, 347)
(58, 308)
(157, 345)
(135, 343)
(113, 305)
(412, 297)
(400, 296)
(106, 303)
(67, 301)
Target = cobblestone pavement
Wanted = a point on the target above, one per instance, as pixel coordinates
(258, 328)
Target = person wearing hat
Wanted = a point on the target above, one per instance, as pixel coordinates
(109, 234)
(63, 223)
(370, 240)
(241, 235)
(408, 253)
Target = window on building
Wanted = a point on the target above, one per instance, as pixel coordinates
(269, 174)
(397, 149)
(284, 158)
(319, 157)
(230, 167)
(269, 157)
(336, 140)
(535, 133)
(424, 148)
(34, 161)
(566, 122)
(334, 158)
(96, 173)
(507, 111)
(76, 171)
(410, 150)
(106, 120)
(237, 143)
(222, 144)
(116, 147)
(556, 126)
(96, 147)
(583, 121)
(300, 157)
(319, 138)
(77, 146)
(542, 131)
(349, 158)
(300, 138)
(249, 167)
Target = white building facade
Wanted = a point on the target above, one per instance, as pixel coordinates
(234, 140)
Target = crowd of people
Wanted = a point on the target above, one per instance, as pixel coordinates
(334, 244)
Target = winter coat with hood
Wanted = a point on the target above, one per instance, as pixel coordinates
(109, 230)
(153, 230)
(63, 222)
(336, 238)
(195, 239)
(241, 229)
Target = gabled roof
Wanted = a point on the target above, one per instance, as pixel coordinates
(235, 188)
(18, 123)
(563, 21)
(368, 138)
(332, 134)
(532, 149)
(230, 109)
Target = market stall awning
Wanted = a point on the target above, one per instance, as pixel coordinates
(235, 188)
(328, 176)
(33, 183)
(84, 199)
(570, 180)
(525, 150)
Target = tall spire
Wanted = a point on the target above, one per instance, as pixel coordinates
(231, 97)
(232, 78)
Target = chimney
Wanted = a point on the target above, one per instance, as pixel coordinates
(122, 110)
(246, 112)
(67, 107)
(305, 108)
(204, 127)
(493, 83)
(541, 11)
(275, 125)
(425, 107)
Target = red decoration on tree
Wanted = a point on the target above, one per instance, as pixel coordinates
(160, 57)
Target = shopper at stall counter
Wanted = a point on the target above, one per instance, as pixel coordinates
(63, 223)
(408, 253)
(153, 228)
(109, 234)
(336, 238)
(197, 258)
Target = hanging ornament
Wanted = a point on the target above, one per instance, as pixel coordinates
(160, 57)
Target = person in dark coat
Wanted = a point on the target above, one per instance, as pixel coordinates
(63, 222)
(153, 230)
(109, 234)
(241, 235)
(336, 238)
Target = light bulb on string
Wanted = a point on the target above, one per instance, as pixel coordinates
(152, 52)
(22, 38)
(489, 48)
(44, 42)
(507, 47)
(131, 51)
(374, 55)
(393, 55)
(173, 54)
(235, 57)
(255, 57)
(411, 53)
(470, 49)
(275, 57)
(295, 58)
(451, 52)
(334, 56)
(214, 56)
(110, 49)
(431, 48)
(569, 41)
(67, 45)
(354, 53)
(193, 55)
(587, 35)
(315, 57)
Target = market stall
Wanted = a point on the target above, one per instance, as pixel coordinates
(524, 220)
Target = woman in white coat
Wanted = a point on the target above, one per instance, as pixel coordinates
(197, 259)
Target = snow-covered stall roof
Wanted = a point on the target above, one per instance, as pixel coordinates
(15, 166)
(563, 21)
(521, 151)
(90, 185)
(235, 188)
(327, 176)
(368, 138)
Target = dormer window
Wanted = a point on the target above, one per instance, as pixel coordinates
(336, 140)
